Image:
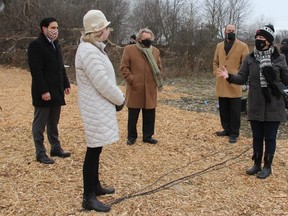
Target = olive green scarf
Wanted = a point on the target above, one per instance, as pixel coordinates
(152, 62)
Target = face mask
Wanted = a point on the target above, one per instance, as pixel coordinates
(52, 34)
(260, 44)
(146, 43)
(231, 36)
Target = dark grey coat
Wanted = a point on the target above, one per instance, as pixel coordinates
(48, 72)
(258, 108)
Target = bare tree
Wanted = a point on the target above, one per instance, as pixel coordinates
(213, 11)
(147, 14)
(163, 17)
(219, 13)
(20, 21)
(238, 10)
(174, 16)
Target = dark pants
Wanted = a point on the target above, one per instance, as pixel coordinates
(46, 116)
(148, 123)
(91, 169)
(230, 115)
(264, 131)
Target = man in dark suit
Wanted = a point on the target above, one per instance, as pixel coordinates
(49, 83)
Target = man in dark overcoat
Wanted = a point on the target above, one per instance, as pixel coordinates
(49, 84)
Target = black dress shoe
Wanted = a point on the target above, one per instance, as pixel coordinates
(60, 153)
(150, 140)
(232, 139)
(131, 141)
(45, 160)
(222, 133)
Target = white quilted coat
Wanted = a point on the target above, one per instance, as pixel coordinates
(97, 94)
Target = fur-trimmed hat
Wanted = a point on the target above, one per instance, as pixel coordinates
(267, 32)
(94, 21)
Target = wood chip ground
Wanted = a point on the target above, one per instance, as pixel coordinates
(189, 172)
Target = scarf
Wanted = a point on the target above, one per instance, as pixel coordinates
(264, 57)
(267, 73)
(152, 62)
(228, 46)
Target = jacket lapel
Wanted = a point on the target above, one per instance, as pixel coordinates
(50, 45)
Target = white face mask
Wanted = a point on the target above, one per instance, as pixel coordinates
(52, 34)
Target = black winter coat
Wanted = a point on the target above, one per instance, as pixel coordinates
(258, 108)
(286, 56)
(47, 71)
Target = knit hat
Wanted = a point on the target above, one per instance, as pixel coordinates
(94, 20)
(267, 32)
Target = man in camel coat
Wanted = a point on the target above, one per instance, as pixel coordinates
(229, 53)
(141, 67)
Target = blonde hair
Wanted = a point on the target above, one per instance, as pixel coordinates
(144, 30)
(92, 37)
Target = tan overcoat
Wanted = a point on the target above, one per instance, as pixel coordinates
(232, 62)
(141, 90)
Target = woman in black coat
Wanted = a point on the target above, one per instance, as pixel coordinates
(265, 69)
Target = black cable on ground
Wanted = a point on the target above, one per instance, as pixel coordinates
(177, 181)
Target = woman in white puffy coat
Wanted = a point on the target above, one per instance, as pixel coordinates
(97, 96)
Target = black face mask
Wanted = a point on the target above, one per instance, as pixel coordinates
(260, 44)
(231, 36)
(146, 43)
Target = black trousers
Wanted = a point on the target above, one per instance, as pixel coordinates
(46, 116)
(230, 115)
(148, 123)
(264, 131)
(91, 169)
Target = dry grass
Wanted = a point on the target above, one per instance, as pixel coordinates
(190, 171)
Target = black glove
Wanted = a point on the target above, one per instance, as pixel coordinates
(119, 108)
(230, 78)
(269, 74)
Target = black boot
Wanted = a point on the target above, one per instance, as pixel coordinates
(90, 202)
(99, 190)
(267, 170)
(257, 157)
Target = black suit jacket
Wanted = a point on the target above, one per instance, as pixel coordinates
(47, 71)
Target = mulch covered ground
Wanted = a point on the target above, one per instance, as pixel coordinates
(189, 172)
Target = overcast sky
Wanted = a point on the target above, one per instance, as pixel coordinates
(275, 10)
